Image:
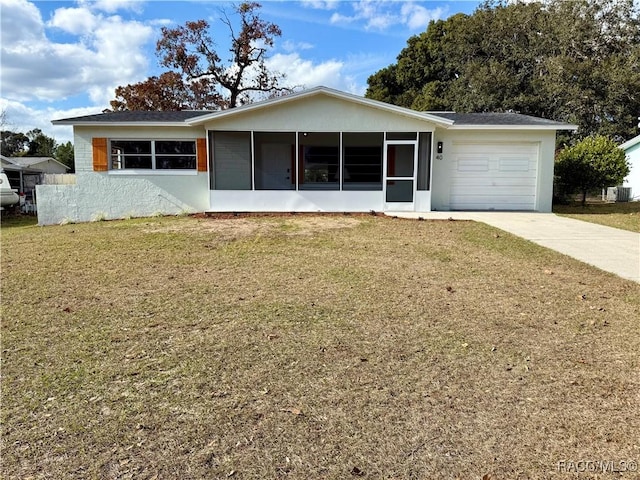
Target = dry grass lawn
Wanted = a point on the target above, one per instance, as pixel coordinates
(618, 215)
(310, 347)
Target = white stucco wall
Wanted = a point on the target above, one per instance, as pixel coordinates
(82, 139)
(122, 194)
(98, 196)
(320, 114)
(295, 201)
(441, 171)
(633, 179)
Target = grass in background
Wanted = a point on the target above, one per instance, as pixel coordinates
(624, 215)
(309, 347)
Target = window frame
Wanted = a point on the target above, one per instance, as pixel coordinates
(351, 142)
(319, 145)
(154, 170)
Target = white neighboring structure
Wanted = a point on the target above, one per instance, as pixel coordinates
(632, 149)
(319, 150)
(25, 173)
(41, 164)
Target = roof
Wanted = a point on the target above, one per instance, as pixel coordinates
(189, 118)
(10, 164)
(631, 143)
(27, 162)
(134, 117)
(499, 119)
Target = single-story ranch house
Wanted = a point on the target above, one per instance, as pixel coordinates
(319, 150)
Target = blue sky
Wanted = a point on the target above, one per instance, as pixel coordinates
(62, 59)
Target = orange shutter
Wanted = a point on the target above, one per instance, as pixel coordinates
(201, 154)
(100, 157)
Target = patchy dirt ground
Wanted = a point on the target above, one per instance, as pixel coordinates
(230, 227)
(311, 347)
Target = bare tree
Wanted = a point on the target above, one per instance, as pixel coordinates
(191, 50)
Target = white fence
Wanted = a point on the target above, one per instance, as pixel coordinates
(59, 179)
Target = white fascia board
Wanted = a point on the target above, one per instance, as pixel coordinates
(627, 145)
(317, 91)
(513, 127)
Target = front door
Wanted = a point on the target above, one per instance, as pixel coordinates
(399, 185)
(275, 171)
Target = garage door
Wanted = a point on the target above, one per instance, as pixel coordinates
(494, 176)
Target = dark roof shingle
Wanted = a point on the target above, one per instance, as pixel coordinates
(137, 117)
(515, 119)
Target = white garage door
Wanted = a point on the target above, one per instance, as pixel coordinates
(494, 176)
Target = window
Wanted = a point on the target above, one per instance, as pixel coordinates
(400, 160)
(153, 154)
(401, 135)
(231, 160)
(362, 169)
(131, 154)
(424, 157)
(175, 155)
(320, 161)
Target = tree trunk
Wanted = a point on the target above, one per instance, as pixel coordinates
(584, 198)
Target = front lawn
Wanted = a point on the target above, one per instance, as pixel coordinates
(624, 215)
(309, 347)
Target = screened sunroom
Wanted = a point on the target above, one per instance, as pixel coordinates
(319, 171)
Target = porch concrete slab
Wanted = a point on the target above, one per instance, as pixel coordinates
(610, 249)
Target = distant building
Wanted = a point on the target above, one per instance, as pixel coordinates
(25, 173)
(632, 149)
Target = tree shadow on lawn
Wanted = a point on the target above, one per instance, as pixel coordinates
(9, 219)
(597, 208)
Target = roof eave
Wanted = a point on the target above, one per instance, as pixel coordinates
(630, 143)
(120, 124)
(514, 127)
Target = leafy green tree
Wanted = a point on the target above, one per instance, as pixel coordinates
(593, 163)
(40, 145)
(64, 154)
(576, 61)
(13, 144)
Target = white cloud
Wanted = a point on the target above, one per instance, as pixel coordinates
(416, 17)
(108, 53)
(289, 46)
(301, 72)
(338, 18)
(321, 4)
(380, 15)
(163, 22)
(21, 118)
(77, 21)
(21, 22)
(112, 6)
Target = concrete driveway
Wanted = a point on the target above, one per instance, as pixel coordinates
(610, 249)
